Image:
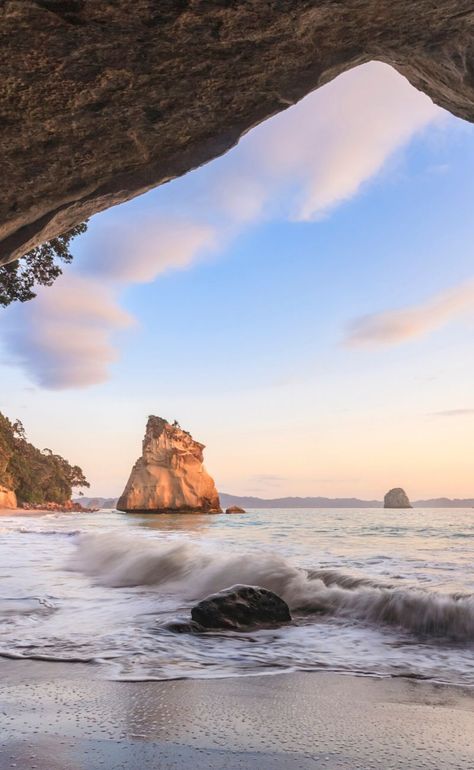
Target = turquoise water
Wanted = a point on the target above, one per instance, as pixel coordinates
(371, 591)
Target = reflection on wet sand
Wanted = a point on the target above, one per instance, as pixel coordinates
(308, 721)
(173, 522)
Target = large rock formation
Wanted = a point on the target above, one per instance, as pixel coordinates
(396, 498)
(100, 100)
(169, 476)
(7, 498)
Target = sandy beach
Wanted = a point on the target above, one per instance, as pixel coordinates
(21, 512)
(54, 718)
(31, 512)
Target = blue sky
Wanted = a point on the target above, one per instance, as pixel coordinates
(304, 305)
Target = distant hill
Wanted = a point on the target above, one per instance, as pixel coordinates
(296, 502)
(97, 502)
(334, 502)
(445, 502)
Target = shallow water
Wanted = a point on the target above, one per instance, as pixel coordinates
(371, 591)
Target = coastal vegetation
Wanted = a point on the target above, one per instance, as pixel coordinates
(38, 267)
(37, 476)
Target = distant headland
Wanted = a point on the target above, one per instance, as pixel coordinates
(246, 502)
(336, 502)
(32, 478)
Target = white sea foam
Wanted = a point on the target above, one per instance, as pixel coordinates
(47, 532)
(371, 591)
(192, 571)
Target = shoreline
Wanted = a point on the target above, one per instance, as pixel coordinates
(38, 511)
(21, 512)
(54, 716)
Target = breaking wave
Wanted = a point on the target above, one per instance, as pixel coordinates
(24, 605)
(47, 532)
(192, 572)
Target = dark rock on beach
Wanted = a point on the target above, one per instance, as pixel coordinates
(241, 607)
(183, 627)
(234, 509)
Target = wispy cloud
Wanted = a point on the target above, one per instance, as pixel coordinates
(453, 413)
(64, 338)
(336, 140)
(269, 478)
(391, 327)
(298, 165)
(141, 250)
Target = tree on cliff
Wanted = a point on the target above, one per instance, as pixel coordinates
(36, 476)
(39, 267)
(7, 447)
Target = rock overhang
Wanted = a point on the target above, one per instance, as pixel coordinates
(100, 102)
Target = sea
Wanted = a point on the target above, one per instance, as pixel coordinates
(387, 593)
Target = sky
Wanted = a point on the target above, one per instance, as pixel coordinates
(304, 305)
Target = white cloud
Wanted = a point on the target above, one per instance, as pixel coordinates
(298, 165)
(340, 136)
(137, 251)
(454, 413)
(63, 338)
(392, 327)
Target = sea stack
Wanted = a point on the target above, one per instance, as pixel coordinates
(396, 498)
(169, 476)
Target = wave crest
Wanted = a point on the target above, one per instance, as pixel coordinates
(192, 571)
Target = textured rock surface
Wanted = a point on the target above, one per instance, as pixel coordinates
(102, 100)
(241, 607)
(396, 498)
(169, 476)
(7, 498)
(234, 509)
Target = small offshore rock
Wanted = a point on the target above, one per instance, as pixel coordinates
(396, 498)
(241, 607)
(235, 509)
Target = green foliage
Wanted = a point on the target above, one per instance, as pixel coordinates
(7, 448)
(38, 267)
(36, 476)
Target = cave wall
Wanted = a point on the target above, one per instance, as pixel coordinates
(101, 101)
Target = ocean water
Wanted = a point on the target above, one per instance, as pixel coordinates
(388, 593)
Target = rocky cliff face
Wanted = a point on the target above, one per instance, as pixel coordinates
(7, 498)
(169, 476)
(396, 498)
(100, 100)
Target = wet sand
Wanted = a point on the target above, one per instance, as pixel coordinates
(36, 512)
(55, 717)
(21, 512)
